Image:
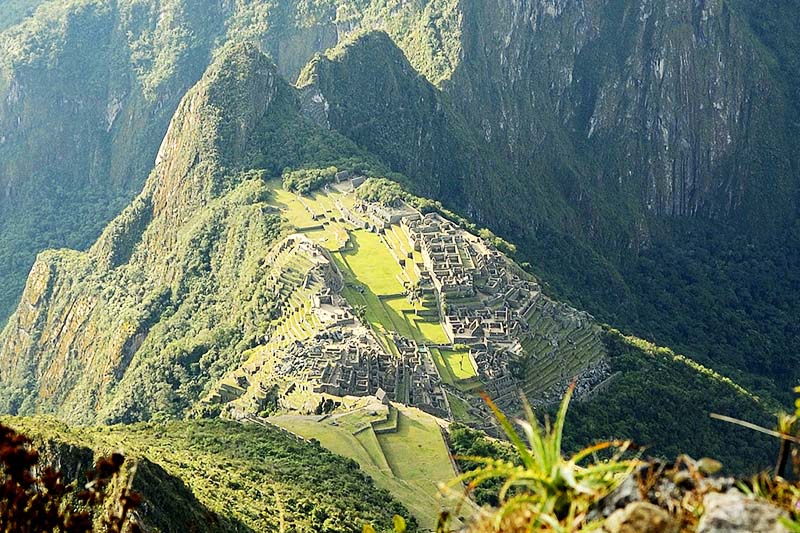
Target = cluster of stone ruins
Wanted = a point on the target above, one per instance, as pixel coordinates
(485, 305)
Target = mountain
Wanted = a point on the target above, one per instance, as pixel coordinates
(191, 479)
(108, 115)
(216, 291)
(614, 142)
(224, 241)
(198, 228)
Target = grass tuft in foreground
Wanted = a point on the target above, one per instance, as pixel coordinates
(545, 491)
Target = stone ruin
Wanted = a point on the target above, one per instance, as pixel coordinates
(486, 303)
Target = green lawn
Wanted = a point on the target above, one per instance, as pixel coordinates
(372, 264)
(237, 471)
(432, 331)
(459, 364)
(416, 455)
(292, 208)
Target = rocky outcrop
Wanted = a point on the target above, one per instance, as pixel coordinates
(639, 517)
(732, 512)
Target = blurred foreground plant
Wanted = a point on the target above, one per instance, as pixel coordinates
(35, 499)
(546, 491)
(776, 488)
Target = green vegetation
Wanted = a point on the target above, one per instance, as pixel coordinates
(647, 385)
(112, 78)
(459, 364)
(13, 11)
(432, 331)
(306, 180)
(173, 297)
(466, 443)
(380, 191)
(529, 486)
(36, 496)
(266, 480)
(176, 289)
(371, 263)
(545, 491)
(409, 460)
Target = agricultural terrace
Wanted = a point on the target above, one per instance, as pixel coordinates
(370, 263)
(401, 448)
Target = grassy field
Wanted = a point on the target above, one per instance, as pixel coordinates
(441, 365)
(416, 450)
(366, 262)
(410, 463)
(454, 366)
(459, 364)
(431, 330)
(373, 264)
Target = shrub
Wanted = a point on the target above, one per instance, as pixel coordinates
(35, 499)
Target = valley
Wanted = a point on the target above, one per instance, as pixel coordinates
(377, 297)
(305, 295)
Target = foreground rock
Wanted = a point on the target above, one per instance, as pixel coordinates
(638, 517)
(733, 512)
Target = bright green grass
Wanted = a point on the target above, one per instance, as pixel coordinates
(390, 423)
(369, 441)
(375, 315)
(444, 371)
(459, 364)
(408, 324)
(416, 452)
(432, 331)
(398, 311)
(333, 236)
(372, 264)
(292, 209)
(417, 441)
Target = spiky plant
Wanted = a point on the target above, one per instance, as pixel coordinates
(546, 491)
(775, 488)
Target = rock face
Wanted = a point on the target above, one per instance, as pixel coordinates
(658, 106)
(732, 512)
(639, 517)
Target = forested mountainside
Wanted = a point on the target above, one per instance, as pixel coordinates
(191, 479)
(89, 86)
(195, 300)
(641, 154)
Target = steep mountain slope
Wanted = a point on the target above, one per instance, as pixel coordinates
(87, 88)
(216, 292)
(139, 322)
(192, 479)
(369, 91)
(580, 131)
